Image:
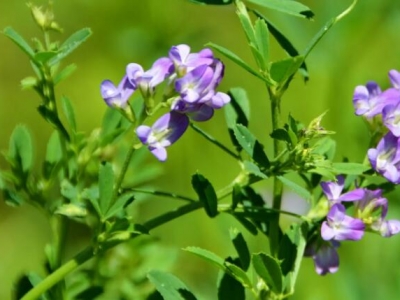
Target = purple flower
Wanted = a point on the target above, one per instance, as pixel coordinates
(164, 132)
(371, 203)
(184, 61)
(147, 81)
(325, 256)
(391, 118)
(387, 228)
(385, 159)
(339, 227)
(367, 100)
(195, 111)
(333, 191)
(193, 86)
(198, 85)
(394, 77)
(117, 96)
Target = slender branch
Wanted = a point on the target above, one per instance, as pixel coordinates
(163, 194)
(214, 141)
(274, 228)
(240, 208)
(122, 174)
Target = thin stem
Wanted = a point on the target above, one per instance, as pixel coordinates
(59, 274)
(122, 174)
(89, 253)
(274, 229)
(163, 194)
(240, 208)
(214, 141)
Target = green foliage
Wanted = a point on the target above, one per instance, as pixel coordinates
(19, 41)
(302, 192)
(69, 45)
(241, 248)
(206, 193)
(169, 286)
(286, 6)
(251, 146)
(240, 62)
(231, 269)
(268, 268)
(20, 151)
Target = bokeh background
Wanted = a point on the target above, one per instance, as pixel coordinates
(364, 46)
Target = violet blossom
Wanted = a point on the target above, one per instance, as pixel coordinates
(333, 191)
(385, 159)
(338, 226)
(367, 100)
(325, 256)
(117, 96)
(163, 133)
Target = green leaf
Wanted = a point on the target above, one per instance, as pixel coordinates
(122, 202)
(283, 41)
(206, 193)
(44, 57)
(69, 191)
(286, 6)
(21, 43)
(262, 41)
(169, 286)
(21, 149)
(238, 109)
(236, 59)
(241, 248)
(283, 70)
(281, 135)
(73, 42)
(247, 25)
(246, 224)
(29, 82)
(253, 169)
(213, 2)
(225, 266)
(92, 194)
(268, 268)
(69, 112)
(230, 288)
(53, 155)
(349, 168)
(325, 146)
(324, 172)
(66, 72)
(106, 186)
(72, 210)
(291, 251)
(249, 144)
(299, 190)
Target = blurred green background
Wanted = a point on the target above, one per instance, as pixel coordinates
(364, 46)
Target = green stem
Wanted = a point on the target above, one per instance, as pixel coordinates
(59, 226)
(59, 274)
(214, 141)
(122, 174)
(163, 194)
(274, 230)
(89, 253)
